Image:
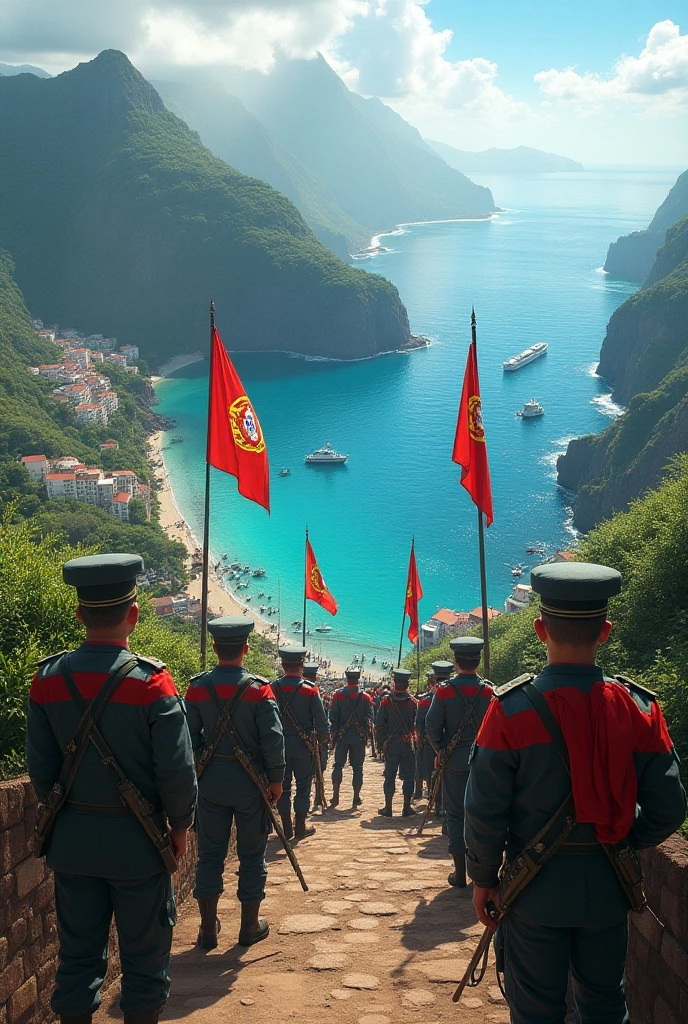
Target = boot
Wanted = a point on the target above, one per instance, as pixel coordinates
(335, 794)
(386, 811)
(79, 1018)
(150, 1017)
(287, 825)
(357, 797)
(457, 877)
(253, 928)
(210, 924)
(300, 830)
(407, 811)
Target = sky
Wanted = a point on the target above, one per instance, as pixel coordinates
(602, 81)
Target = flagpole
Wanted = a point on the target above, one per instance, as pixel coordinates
(305, 583)
(401, 638)
(206, 511)
(481, 545)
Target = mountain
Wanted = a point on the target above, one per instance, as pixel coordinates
(521, 160)
(376, 166)
(229, 131)
(631, 256)
(22, 69)
(645, 354)
(121, 221)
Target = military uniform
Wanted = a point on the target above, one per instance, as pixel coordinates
(104, 862)
(349, 735)
(573, 915)
(450, 704)
(394, 735)
(310, 674)
(441, 671)
(303, 701)
(226, 792)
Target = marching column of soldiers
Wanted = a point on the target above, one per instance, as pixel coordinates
(546, 787)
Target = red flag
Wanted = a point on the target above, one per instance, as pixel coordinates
(235, 440)
(470, 450)
(414, 592)
(316, 588)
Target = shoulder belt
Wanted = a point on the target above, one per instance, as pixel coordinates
(631, 684)
(223, 722)
(513, 684)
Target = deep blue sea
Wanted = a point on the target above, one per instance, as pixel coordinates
(533, 274)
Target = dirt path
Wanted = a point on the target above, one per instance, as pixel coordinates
(380, 938)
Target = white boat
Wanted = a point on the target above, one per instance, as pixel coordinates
(326, 455)
(284, 471)
(523, 358)
(323, 629)
(531, 410)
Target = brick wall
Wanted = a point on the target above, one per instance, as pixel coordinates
(28, 930)
(657, 966)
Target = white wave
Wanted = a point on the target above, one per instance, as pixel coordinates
(606, 407)
(601, 270)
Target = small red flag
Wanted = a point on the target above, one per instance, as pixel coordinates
(316, 588)
(414, 592)
(235, 440)
(470, 449)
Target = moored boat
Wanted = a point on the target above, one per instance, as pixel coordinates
(523, 358)
(325, 456)
(531, 410)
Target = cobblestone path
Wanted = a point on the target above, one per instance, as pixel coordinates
(380, 938)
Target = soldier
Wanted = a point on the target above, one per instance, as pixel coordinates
(303, 715)
(604, 744)
(227, 793)
(441, 671)
(395, 738)
(451, 725)
(424, 701)
(310, 674)
(351, 718)
(104, 859)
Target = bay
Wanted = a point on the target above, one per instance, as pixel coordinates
(533, 274)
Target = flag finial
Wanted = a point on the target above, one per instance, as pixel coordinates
(473, 320)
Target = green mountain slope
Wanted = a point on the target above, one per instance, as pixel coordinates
(645, 354)
(521, 160)
(229, 131)
(379, 172)
(118, 218)
(631, 256)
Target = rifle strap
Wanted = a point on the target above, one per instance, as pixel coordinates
(225, 710)
(549, 721)
(352, 720)
(90, 715)
(395, 705)
(454, 741)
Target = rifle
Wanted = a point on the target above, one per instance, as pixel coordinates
(130, 795)
(260, 781)
(445, 756)
(313, 747)
(406, 737)
(74, 755)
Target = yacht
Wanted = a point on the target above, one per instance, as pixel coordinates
(326, 455)
(531, 410)
(284, 471)
(323, 629)
(523, 358)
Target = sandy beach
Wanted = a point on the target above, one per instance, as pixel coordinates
(220, 601)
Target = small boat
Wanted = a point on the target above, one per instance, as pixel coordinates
(235, 565)
(517, 572)
(523, 358)
(284, 471)
(261, 593)
(258, 572)
(323, 629)
(531, 410)
(224, 557)
(326, 456)
(177, 439)
(297, 622)
(535, 551)
(247, 568)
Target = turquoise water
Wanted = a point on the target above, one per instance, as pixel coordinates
(533, 274)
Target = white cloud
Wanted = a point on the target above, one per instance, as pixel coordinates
(657, 80)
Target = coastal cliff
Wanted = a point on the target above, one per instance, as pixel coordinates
(645, 355)
(118, 218)
(630, 258)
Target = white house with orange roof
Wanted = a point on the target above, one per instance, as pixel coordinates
(36, 466)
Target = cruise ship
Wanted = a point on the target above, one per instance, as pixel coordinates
(523, 358)
(326, 455)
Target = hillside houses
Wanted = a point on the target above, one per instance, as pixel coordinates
(67, 477)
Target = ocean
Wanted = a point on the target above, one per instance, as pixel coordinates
(533, 273)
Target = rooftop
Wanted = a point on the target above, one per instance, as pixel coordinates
(34, 458)
(122, 496)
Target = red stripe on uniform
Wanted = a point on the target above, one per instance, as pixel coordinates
(137, 692)
(198, 694)
(524, 729)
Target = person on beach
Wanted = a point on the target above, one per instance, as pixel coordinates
(583, 764)
(351, 720)
(302, 714)
(104, 860)
(452, 722)
(227, 793)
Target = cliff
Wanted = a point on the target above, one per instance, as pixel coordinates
(645, 355)
(631, 256)
(119, 220)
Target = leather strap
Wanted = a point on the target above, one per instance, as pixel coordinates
(544, 711)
